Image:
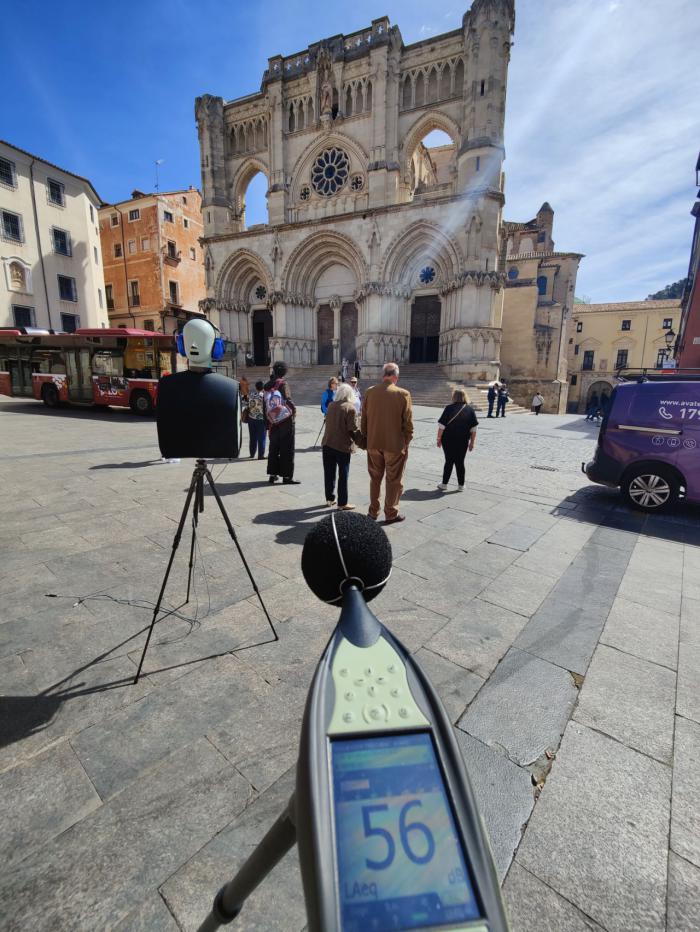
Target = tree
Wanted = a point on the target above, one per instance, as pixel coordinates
(670, 291)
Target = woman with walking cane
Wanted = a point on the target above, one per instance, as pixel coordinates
(456, 434)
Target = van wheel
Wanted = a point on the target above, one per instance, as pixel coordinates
(50, 396)
(650, 488)
(140, 403)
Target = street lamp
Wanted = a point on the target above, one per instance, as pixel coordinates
(669, 337)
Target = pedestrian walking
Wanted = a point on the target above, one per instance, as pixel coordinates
(503, 398)
(344, 369)
(387, 427)
(358, 369)
(357, 394)
(255, 418)
(342, 431)
(329, 394)
(592, 408)
(456, 434)
(491, 396)
(280, 411)
(537, 402)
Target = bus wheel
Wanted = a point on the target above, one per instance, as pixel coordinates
(49, 395)
(650, 487)
(141, 403)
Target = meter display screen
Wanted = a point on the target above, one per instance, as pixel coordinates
(400, 860)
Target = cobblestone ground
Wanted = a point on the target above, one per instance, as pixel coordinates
(560, 629)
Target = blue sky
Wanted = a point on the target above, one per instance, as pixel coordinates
(602, 120)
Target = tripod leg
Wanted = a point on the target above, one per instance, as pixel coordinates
(229, 526)
(176, 543)
(196, 511)
(273, 847)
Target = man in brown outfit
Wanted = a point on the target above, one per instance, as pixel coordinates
(387, 424)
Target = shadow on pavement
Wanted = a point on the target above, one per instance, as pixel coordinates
(421, 495)
(127, 465)
(90, 413)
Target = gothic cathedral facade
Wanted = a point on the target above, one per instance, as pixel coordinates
(378, 246)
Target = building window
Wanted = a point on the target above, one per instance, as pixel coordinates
(110, 297)
(66, 288)
(92, 214)
(148, 325)
(193, 252)
(626, 325)
(7, 173)
(99, 298)
(587, 359)
(61, 242)
(577, 349)
(145, 244)
(131, 246)
(172, 249)
(541, 284)
(208, 216)
(117, 250)
(12, 227)
(174, 299)
(261, 292)
(186, 223)
(660, 359)
(23, 316)
(134, 296)
(541, 236)
(167, 216)
(668, 323)
(69, 323)
(579, 326)
(330, 172)
(56, 193)
(478, 163)
(96, 255)
(512, 273)
(621, 361)
(184, 199)
(482, 88)
(574, 379)
(134, 214)
(115, 220)
(427, 275)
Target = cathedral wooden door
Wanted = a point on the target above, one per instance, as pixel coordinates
(425, 329)
(325, 336)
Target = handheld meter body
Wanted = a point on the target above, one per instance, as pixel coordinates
(387, 827)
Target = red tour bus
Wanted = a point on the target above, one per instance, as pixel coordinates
(104, 367)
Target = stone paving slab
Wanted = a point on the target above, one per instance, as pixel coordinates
(523, 708)
(685, 815)
(598, 836)
(202, 745)
(683, 895)
(534, 907)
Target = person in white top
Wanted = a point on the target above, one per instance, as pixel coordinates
(537, 402)
(358, 394)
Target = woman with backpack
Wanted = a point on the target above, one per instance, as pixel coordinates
(280, 412)
(456, 434)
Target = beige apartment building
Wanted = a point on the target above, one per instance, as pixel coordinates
(537, 306)
(153, 263)
(604, 338)
(51, 276)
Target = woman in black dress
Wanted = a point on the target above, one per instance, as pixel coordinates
(456, 434)
(281, 413)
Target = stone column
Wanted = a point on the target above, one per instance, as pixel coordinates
(336, 304)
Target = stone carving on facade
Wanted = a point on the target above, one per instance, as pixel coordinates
(324, 67)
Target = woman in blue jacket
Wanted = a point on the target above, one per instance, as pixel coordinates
(329, 394)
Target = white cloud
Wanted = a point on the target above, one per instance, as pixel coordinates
(602, 122)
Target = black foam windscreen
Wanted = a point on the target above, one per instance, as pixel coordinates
(346, 548)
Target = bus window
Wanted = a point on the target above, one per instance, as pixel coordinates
(108, 362)
(49, 361)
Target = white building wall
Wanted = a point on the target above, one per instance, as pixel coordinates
(41, 265)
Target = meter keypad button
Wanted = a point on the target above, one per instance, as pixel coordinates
(395, 693)
(348, 717)
(371, 690)
(343, 671)
(359, 681)
(369, 671)
(350, 696)
(403, 712)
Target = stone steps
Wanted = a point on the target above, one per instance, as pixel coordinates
(428, 385)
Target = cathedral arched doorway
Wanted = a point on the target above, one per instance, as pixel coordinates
(325, 336)
(348, 332)
(425, 329)
(262, 332)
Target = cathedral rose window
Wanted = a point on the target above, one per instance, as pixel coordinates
(427, 275)
(330, 172)
(305, 193)
(260, 292)
(357, 182)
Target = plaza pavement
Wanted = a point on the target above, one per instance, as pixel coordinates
(561, 630)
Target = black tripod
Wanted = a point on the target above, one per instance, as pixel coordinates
(195, 496)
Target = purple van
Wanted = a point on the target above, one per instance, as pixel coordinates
(649, 442)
